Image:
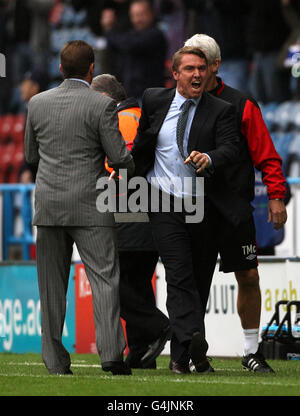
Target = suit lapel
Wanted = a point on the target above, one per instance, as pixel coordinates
(201, 115)
(162, 106)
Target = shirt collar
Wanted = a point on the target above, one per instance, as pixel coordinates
(80, 80)
(179, 99)
(219, 88)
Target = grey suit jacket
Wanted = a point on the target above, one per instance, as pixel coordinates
(69, 131)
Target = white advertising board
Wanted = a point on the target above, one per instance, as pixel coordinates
(279, 280)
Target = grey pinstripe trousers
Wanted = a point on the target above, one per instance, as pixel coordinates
(97, 249)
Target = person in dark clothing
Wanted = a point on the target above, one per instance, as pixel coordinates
(140, 52)
(237, 245)
(266, 33)
(94, 8)
(168, 140)
(225, 21)
(147, 328)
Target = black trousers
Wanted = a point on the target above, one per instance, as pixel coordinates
(144, 321)
(183, 247)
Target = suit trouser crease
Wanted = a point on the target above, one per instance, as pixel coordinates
(96, 246)
(176, 243)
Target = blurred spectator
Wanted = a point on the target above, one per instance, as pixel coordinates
(93, 9)
(224, 20)
(40, 31)
(33, 83)
(114, 14)
(267, 31)
(140, 53)
(171, 16)
(120, 9)
(23, 52)
(31, 31)
(291, 13)
(5, 83)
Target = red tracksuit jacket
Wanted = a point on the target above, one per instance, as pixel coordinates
(257, 146)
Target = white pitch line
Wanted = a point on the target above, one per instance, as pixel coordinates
(91, 365)
(152, 379)
(37, 364)
(145, 379)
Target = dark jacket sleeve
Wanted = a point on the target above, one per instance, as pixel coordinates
(227, 139)
(143, 150)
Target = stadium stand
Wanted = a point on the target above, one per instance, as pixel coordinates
(11, 147)
(70, 25)
(66, 23)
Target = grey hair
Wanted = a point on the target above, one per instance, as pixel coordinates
(108, 84)
(207, 44)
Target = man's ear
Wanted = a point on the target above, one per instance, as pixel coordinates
(175, 75)
(92, 68)
(216, 66)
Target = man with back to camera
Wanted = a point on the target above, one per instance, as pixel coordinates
(257, 151)
(167, 147)
(147, 328)
(69, 132)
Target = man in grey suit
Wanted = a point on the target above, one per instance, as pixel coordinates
(69, 132)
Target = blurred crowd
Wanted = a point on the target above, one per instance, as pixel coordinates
(136, 45)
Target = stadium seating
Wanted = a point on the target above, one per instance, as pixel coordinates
(293, 157)
(268, 113)
(282, 116)
(11, 147)
(283, 142)
(71, 25)
(294, 116)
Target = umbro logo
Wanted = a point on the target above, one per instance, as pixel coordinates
(251, 257)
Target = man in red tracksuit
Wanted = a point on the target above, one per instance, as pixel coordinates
(237, 245)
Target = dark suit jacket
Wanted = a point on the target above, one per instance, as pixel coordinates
(214, 131)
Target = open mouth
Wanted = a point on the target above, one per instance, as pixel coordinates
(196, 85)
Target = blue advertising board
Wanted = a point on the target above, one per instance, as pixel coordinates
(20, 312)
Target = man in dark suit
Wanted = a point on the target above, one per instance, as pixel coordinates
(166, 147)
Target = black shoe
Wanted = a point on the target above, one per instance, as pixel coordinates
(133, 360)
(136, 352)
(257, 363)
(117, 368)
(203, 367)
(197, 350)
(179, 368)
(156, 348)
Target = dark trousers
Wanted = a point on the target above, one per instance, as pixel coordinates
(144, 321)
(183, 247)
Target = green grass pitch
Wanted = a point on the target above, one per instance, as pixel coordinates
(25, 375)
